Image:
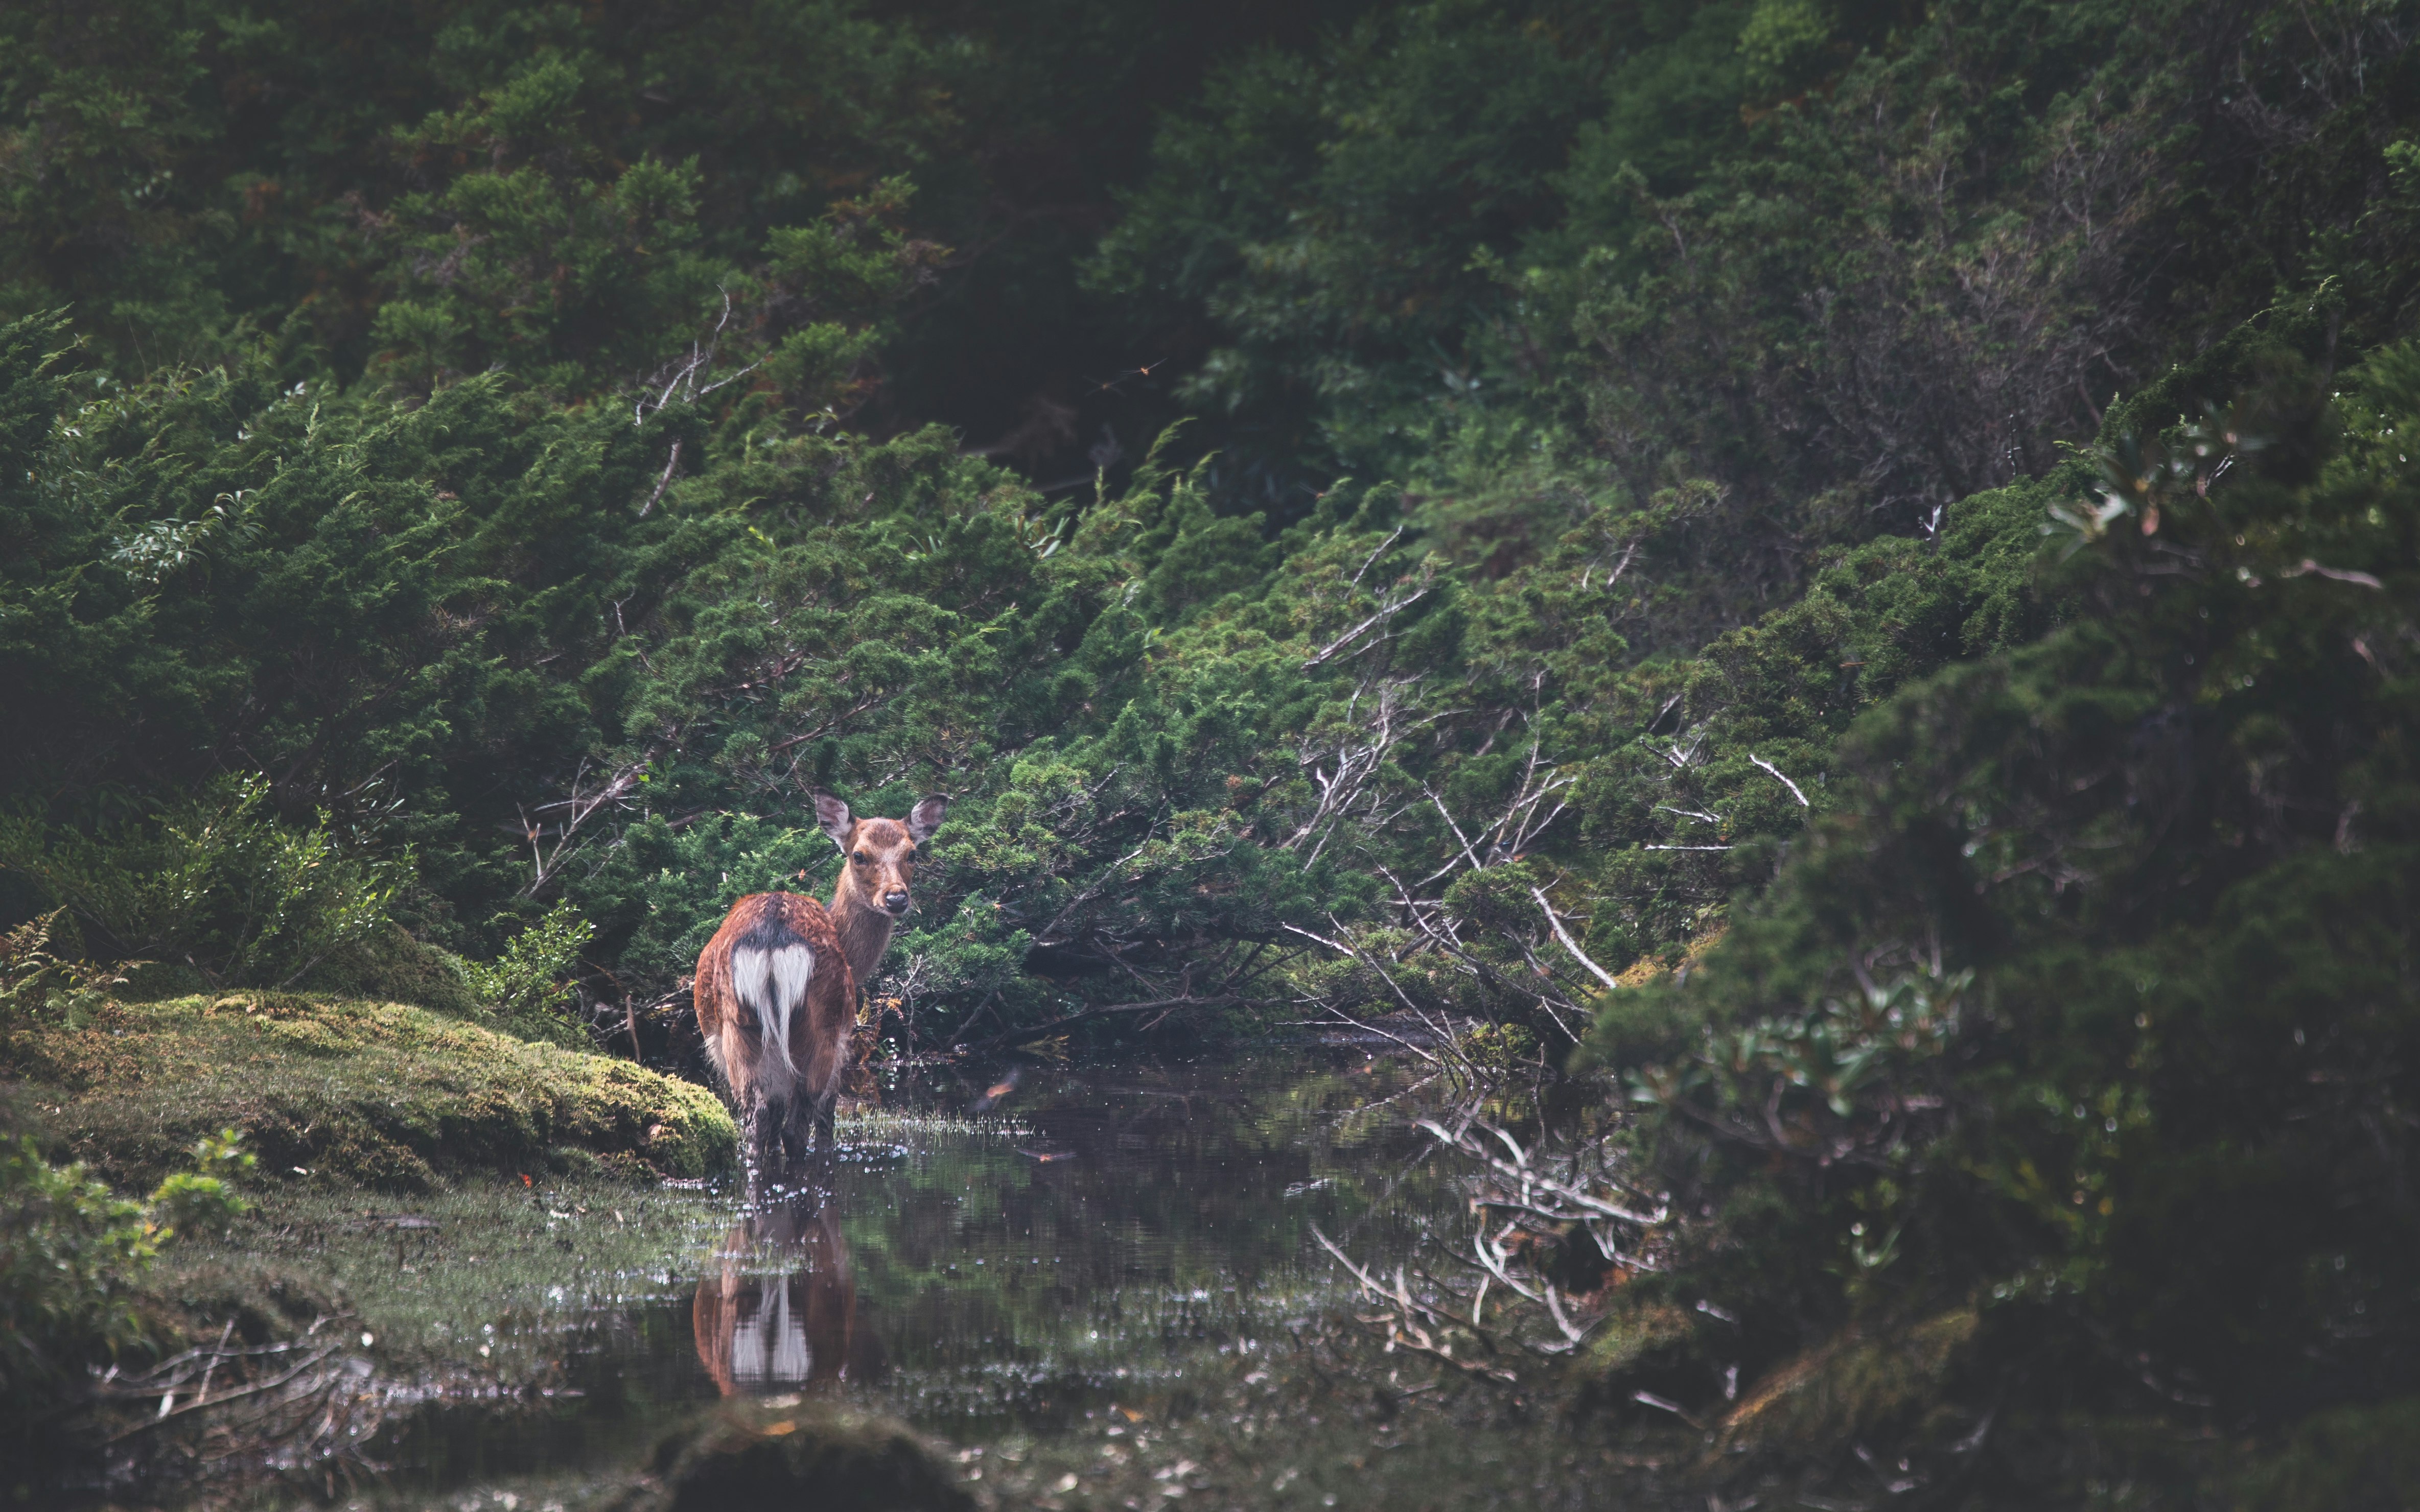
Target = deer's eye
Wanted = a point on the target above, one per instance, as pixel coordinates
(862, 859)
(910, 853)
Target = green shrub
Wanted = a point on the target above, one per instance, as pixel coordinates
(525, 989)
(71, 1253)
(214, 882)
(2108, 943)
(1500, 1047)
(204, 1199)
(68, 1247)
(39, 985)
(388, 964)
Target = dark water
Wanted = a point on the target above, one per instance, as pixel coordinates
(1113, 1243)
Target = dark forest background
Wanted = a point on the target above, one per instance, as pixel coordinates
(1888, 529)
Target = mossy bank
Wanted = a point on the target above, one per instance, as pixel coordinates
(347, 1092)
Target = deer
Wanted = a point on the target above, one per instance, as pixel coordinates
(779, 1314)
(776, 987)
(877, 863)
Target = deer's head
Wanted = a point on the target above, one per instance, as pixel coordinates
(879, 855)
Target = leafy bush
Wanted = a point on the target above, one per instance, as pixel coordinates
(526, 987)
(70, 1254)
(213, 882)
(204, 1199)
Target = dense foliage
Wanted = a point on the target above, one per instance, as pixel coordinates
(1916, 488)
(2109, 962)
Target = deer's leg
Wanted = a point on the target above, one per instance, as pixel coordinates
(798, 1131)
(824, 1111)
(781, 1145)
(752, 1153)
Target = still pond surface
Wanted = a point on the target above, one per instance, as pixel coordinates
(1103, 1291)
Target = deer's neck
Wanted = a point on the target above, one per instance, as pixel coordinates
(864, 931)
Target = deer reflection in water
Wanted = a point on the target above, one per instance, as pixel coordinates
(781, 1315)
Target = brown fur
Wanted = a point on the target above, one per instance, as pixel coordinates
(776, 1333)
(847, 941)
(819, 1029)
(877, 861)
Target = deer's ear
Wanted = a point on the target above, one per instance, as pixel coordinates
(926, 816)
(832, 815)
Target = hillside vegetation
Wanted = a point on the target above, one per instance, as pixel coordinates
(1428, 506)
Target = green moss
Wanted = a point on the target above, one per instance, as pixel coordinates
(489, 1275)
(1851, 1386)
(1630, 1334)
(351, 1090)
(393, 966)
(748, 1456)
(2355, 1457)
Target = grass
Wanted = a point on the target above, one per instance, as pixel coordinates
(348, 1092)
(490, 1276)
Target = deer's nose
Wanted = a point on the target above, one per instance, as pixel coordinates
(895, 900)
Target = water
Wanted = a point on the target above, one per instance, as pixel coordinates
(1113, 1264)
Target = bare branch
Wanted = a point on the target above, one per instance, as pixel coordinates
(1391, 537)
(546, 861)
(1693, 813)
(661, 484)
(1620, 567)
(1569, 944)
(1444, 1037)
(1403, 1327)
(252, 1390)
(1467, 853)
(1385, 611)
(1776, 773)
